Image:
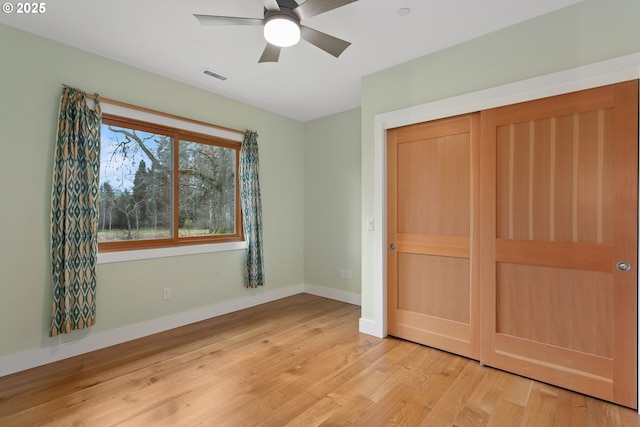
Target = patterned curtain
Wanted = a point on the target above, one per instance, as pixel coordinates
(74, 213)
(251, 210)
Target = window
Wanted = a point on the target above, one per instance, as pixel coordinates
(162, 186)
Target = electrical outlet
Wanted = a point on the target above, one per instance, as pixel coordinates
(166, 293)
(344, 274)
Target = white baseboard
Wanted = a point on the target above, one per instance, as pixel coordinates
(332, 293)
(41, 356)
(370, 327)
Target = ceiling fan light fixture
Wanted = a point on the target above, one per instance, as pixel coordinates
(280, 30)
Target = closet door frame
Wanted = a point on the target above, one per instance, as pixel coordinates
(590, 76)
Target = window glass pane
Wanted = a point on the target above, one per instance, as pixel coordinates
(206, 190)
(135, 185)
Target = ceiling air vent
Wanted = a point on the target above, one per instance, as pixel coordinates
(216, 75)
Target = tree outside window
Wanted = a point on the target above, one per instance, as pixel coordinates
(139, 204)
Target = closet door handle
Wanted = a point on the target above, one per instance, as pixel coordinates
(623, 266)
(392, 246)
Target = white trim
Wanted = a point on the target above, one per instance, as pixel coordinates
(42, 356)
(32, 358)
(332, 293)
(174, 122)
(121, 256)
(369, 327)
(589, 76)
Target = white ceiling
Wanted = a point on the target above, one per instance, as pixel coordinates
(163, 37)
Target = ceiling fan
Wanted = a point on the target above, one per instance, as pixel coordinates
(282, 26)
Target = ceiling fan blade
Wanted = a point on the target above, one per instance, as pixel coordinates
(227, 20)
(271, 5)
(271, 53)
(329, 44)
(315, 7)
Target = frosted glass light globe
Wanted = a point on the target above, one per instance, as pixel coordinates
(281, 31)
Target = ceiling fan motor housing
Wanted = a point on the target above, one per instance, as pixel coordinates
(284, 12)
(288, 4)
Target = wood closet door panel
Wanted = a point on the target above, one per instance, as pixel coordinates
(432, 223)
(559, 194)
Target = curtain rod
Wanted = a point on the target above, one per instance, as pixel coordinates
(160, 113)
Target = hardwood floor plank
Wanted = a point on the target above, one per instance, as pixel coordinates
(506, 414)
(299, 361)
(316, 414)
(395, 408)
(486, 396)
(348, 415)
(453, 399)
(513, 395)
(576, 415)
(542, 406)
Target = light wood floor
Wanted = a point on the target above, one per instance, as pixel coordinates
(299, 361)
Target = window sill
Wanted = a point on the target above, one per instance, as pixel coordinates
(123, 256)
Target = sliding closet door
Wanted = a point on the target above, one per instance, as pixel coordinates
(559, 240)
(432, 225)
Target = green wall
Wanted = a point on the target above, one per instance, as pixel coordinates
(588, 32)
(32, 72)
(332, 229)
